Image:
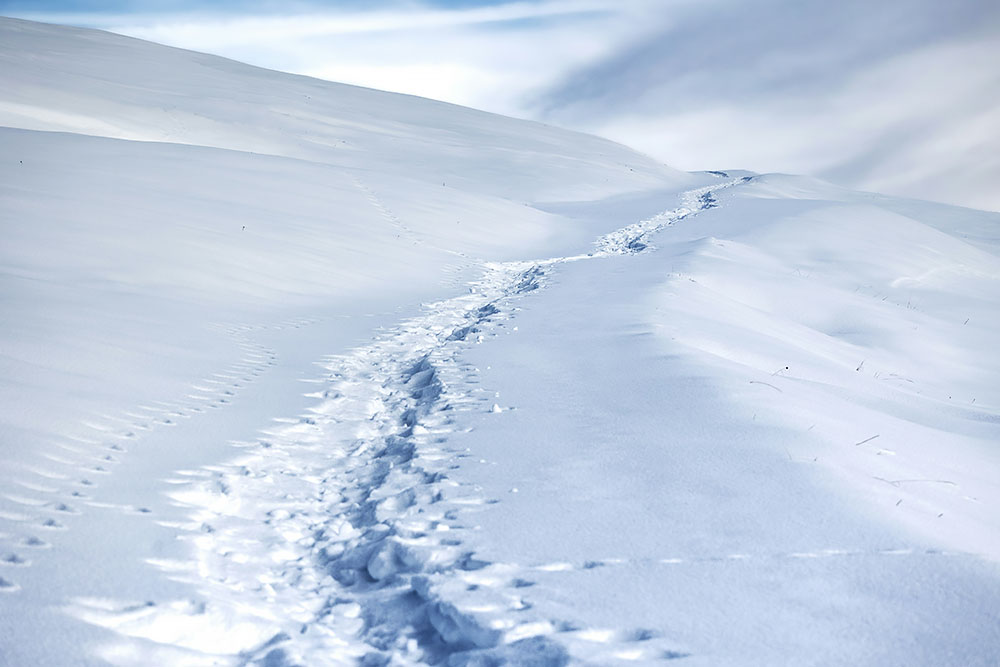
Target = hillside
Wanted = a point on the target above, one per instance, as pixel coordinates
(295, 372)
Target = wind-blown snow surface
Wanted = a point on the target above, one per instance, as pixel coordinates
(570, 405)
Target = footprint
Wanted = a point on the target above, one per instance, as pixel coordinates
(8, 586)
(35, 543)
(15, 560)
(675, 655)
(641, 635)
(64, 508)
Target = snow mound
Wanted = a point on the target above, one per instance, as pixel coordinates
(302, 373)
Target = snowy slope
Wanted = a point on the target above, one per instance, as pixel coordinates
(301, 373)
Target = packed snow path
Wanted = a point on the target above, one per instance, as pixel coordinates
(342, 536)
(772, 441)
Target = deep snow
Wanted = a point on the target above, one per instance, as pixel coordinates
(301, 373)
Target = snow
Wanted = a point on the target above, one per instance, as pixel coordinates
(300, 373)
(690, 482)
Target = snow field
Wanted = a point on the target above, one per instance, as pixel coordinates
(365, 540)
(662, 483)
(866, 329)
(763, 436)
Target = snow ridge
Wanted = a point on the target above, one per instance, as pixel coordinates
(635, 238)
(339, 536)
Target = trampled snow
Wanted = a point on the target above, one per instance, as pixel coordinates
(301, 373)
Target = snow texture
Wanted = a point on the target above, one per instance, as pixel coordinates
(283, 386)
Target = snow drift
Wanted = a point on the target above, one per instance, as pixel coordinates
(302, 373)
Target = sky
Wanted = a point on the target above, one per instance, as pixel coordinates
(898, 96)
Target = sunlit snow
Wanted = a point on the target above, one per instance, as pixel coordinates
(297, 373)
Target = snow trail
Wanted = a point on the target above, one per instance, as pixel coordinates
(634, 238)
(61, 483)
(339, 536)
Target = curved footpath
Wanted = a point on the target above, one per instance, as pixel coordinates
(638, 515)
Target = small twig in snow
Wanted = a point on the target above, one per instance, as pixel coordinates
(899, 482)
(866, 440)
(765, 383)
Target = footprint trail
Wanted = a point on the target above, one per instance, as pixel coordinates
(66, 477)
(341, 534)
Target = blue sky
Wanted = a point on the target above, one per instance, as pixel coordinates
(901, 96)
(232, 7)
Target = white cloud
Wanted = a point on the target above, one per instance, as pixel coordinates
(226, 31)
(901, 97)
(489, 57)
(903, 100)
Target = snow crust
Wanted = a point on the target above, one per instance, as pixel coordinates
(296, 373)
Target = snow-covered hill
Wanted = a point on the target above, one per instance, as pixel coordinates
(302, 373)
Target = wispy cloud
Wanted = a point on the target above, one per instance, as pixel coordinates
(225, 30)
(901, 96)
(490, 55)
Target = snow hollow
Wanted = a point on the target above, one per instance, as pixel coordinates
(299, 373)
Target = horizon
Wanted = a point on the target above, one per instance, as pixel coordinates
(912, 108)
(302, 373)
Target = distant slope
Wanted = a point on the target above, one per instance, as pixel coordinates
(91, 82)
(300, 373)
(239, 193)
(184, 237)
